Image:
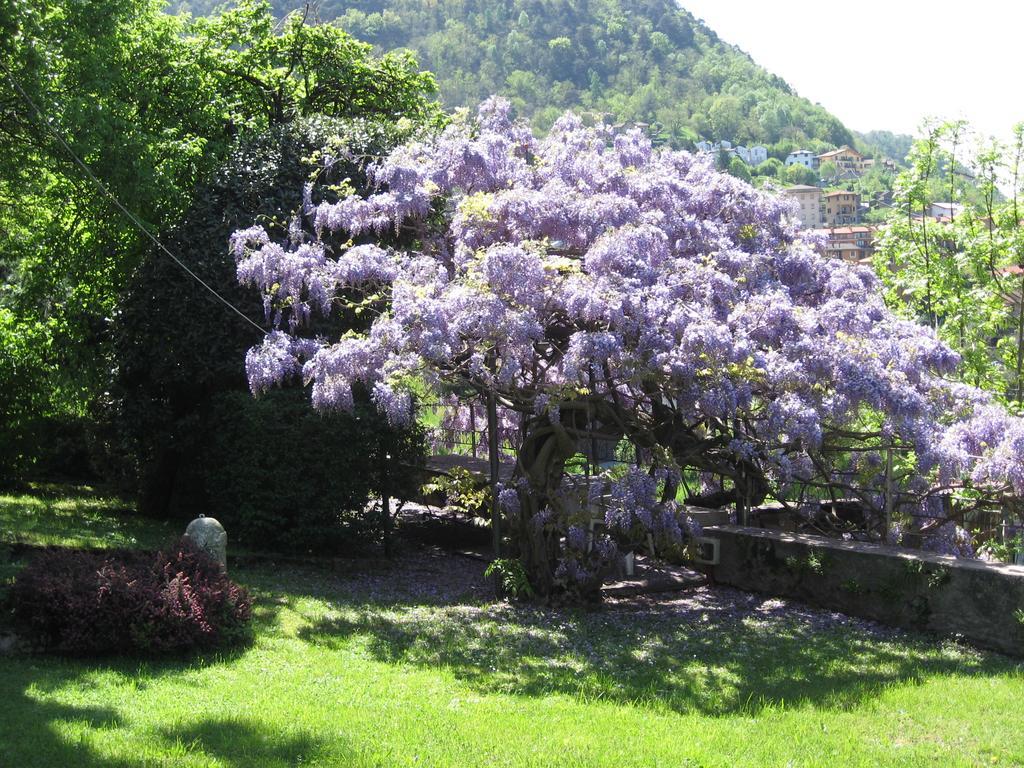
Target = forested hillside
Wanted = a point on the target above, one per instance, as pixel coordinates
(637, 60)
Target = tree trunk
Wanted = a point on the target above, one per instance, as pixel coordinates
(541, 463)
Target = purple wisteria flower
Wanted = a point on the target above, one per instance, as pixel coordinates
(595, 284)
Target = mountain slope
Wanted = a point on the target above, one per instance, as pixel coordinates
(637, 60)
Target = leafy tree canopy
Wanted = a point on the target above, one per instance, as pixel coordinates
(636, 60)
(152, 103)
(960, 270)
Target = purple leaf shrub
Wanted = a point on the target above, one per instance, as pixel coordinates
(127, 601)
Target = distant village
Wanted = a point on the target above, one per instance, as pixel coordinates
(835, 215)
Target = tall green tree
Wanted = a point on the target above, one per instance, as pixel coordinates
(959, 267)
(152, 103)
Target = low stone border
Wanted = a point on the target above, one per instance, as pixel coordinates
(982, 603)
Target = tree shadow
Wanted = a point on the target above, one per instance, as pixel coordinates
(30, 729)
(429, 577)
(722, 653)
(30, 736)
(33, 726)
(242, 742)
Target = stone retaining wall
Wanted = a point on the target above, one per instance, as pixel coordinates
(981, 602)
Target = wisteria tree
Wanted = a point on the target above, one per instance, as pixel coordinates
(600, 289)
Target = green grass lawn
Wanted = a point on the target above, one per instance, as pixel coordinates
(79, 516)
(411, 663)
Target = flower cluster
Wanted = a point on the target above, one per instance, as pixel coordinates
(634, 511)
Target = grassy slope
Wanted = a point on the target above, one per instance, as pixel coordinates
(395, 665)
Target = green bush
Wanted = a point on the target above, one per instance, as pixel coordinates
(279, 475)
(183, 435)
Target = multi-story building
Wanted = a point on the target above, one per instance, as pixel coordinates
(749, 155)
(842, 208)
(848, 161)
(809, 199)
(853, 244)
(752, 155)
(802, 157)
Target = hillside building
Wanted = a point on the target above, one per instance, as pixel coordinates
(752, 155)
(802, 157)
(945, 210)
(842, 208)
(749, 155)
(855, 245)
(848, 161)
(809, 200)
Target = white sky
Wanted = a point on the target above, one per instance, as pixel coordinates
(887, 64)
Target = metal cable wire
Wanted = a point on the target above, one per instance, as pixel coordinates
(117, 203)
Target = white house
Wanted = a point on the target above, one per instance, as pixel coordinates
(945, 210)
(749, 155)
(803, 157)
(757, 155)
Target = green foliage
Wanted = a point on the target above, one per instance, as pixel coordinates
(885, 144)
(739, 169)
(811, 565)
(1004, 551)
(828, 172)
(279, 475)
(962, 275)
(852, 586)
(179, 409)
(799, 174)
(298, 69)
(875, 187)
(105, 74)
(938, 576)
(511, 577)
(464, 492)
(24, 363)
(154, 104)
(771, 167)
(635, 60)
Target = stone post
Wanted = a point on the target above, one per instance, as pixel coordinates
(209, 535)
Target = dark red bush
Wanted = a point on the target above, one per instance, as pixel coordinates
(128, 601)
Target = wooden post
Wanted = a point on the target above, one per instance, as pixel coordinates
(385, 503)
(492, 456)
(592, 459)
(887, 523)
(472, 430)
(742, 513)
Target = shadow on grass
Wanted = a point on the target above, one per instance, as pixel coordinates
(30, 735)
(240, 742)
(715, 661)
(30, 728)
(36, 731)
